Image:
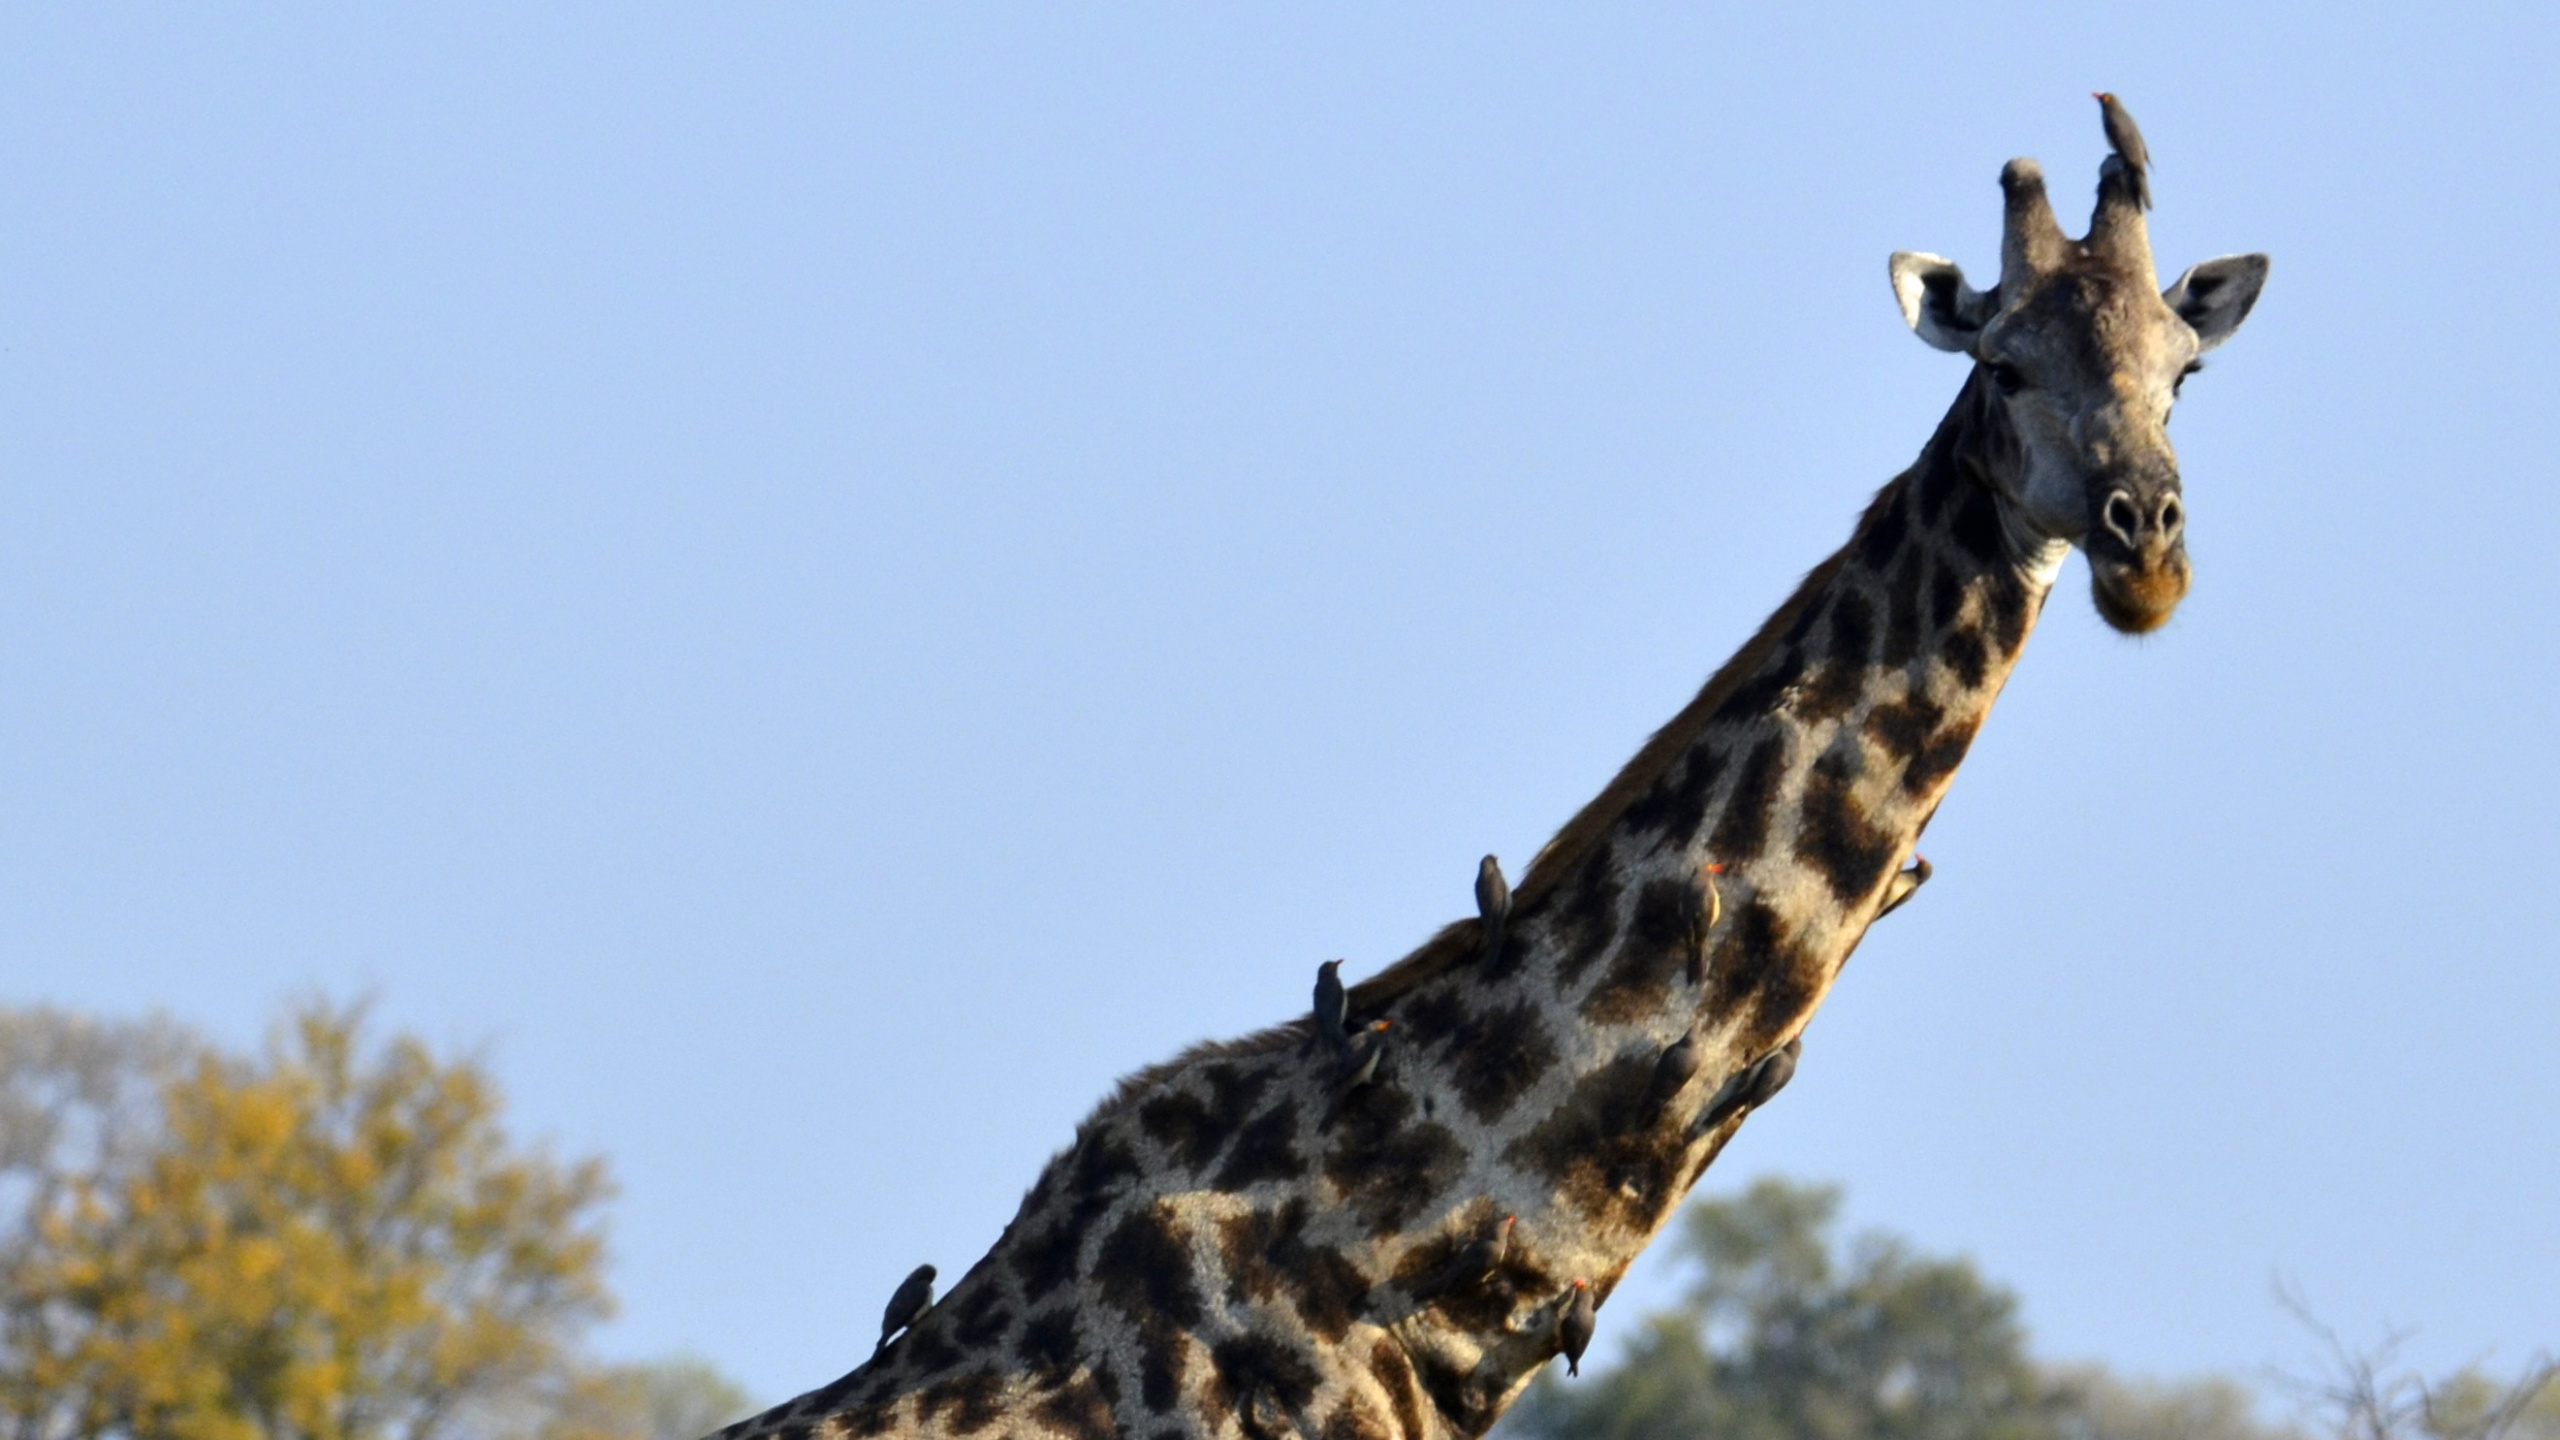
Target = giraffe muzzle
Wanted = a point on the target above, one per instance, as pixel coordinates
(2138, 555)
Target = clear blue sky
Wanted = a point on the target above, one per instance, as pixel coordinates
(822, 581)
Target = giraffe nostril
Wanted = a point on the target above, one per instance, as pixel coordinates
(2121, 517)
(2172, 517)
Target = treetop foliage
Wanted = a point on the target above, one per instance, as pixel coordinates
(1786, 1332)
(333, 1239)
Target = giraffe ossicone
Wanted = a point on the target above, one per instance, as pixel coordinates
(1234, 1244)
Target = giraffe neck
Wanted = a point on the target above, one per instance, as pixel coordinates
(1808, 766)
(1229, 1249)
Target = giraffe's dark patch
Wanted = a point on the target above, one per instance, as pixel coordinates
(801, 1431)
(1236, 1088)
(1976, 526)
(1077, 1408)
(927, 1351)
(1675, 805)
(1835, 684)
(1902, 610)
(1162, 1351)
(1834, 835)
(1660, 942)
(1497, 1055)
(1940, 757)
(2007, 611)
(1966, 657)
(1742, 831)
(1144, 1270)
(1329, 1291)
(1047, 1345)
(1389, 1171)
(1768, 685)
(1102, 1162)
(1806, 619)
(1263, 1150)
(1946, 597)
(1430, 1017)
(1902, 727)
(1853, 628)
(1604, 1140)
(973, 1400)
(1046, 1261)
(1245, 1243)
(1195, 1130)
(1266, 1254)
(1242, 1366)
(981, 1319)
(1886, 532)
(1394, 1374)
(1588, 917)
(1351, 1420)
(866, 1420)
(1759, 966)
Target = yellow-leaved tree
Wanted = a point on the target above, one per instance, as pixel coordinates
(329, 1240)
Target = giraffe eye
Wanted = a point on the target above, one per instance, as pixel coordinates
(2008, 377)
(2181, 382)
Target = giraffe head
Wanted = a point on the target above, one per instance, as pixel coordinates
(2078, 356)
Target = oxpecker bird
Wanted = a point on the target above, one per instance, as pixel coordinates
(1754, 1087)
(907, 1305)
(1905, 884)
(1672, 1073)
(1474, 1265)
(1493, 904)
(2125, 138)
(1358, 1063)
(1331, 1003)
(1575, 1326)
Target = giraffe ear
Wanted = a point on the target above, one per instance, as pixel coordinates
(1937, 304)
(2215, 297)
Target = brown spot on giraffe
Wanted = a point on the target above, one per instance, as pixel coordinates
(1653, 955)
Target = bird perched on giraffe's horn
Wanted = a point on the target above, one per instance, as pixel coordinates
(1332, 1003)
(1905, 884)
(907, 1305)
(1493, 904)
(1754, 1087)
(1472, 1266)
(1575, 1324)
(2125, 138)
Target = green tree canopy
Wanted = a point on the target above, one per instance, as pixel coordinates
(331, 1239)
(1785, 1335)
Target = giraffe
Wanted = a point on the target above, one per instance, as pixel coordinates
(1237, 1245)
